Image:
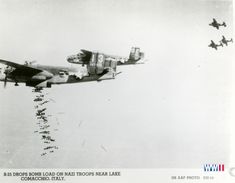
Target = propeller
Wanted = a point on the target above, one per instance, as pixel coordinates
(6, 71)
(5, 81)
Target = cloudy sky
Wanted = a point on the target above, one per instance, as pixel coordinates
(171, 112)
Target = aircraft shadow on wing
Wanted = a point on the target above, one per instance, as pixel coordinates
(98, 67)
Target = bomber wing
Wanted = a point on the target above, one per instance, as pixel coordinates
(21, 70)
(110, 73)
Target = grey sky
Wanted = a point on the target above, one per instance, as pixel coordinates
(170, 112)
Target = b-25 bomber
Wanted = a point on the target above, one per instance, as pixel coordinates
(98, 66)
(213, 45)
(216, 24)
(226, 41)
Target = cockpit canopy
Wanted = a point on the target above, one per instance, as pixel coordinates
(83, 57)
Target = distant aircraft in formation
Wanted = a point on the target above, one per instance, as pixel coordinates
(216, 24)
(213, 45)
(98, 67)
(224, 40)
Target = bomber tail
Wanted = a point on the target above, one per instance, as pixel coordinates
(224, 24)
(134, 57)
(135, 54)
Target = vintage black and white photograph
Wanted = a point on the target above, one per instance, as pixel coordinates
(105, 84)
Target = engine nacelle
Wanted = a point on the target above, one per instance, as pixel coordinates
(40, 78)
(44, 75)
(44, 84)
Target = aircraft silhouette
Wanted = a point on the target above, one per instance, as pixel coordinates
(226, 41)
(98, 67)
(216, 24)
(213, 45)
